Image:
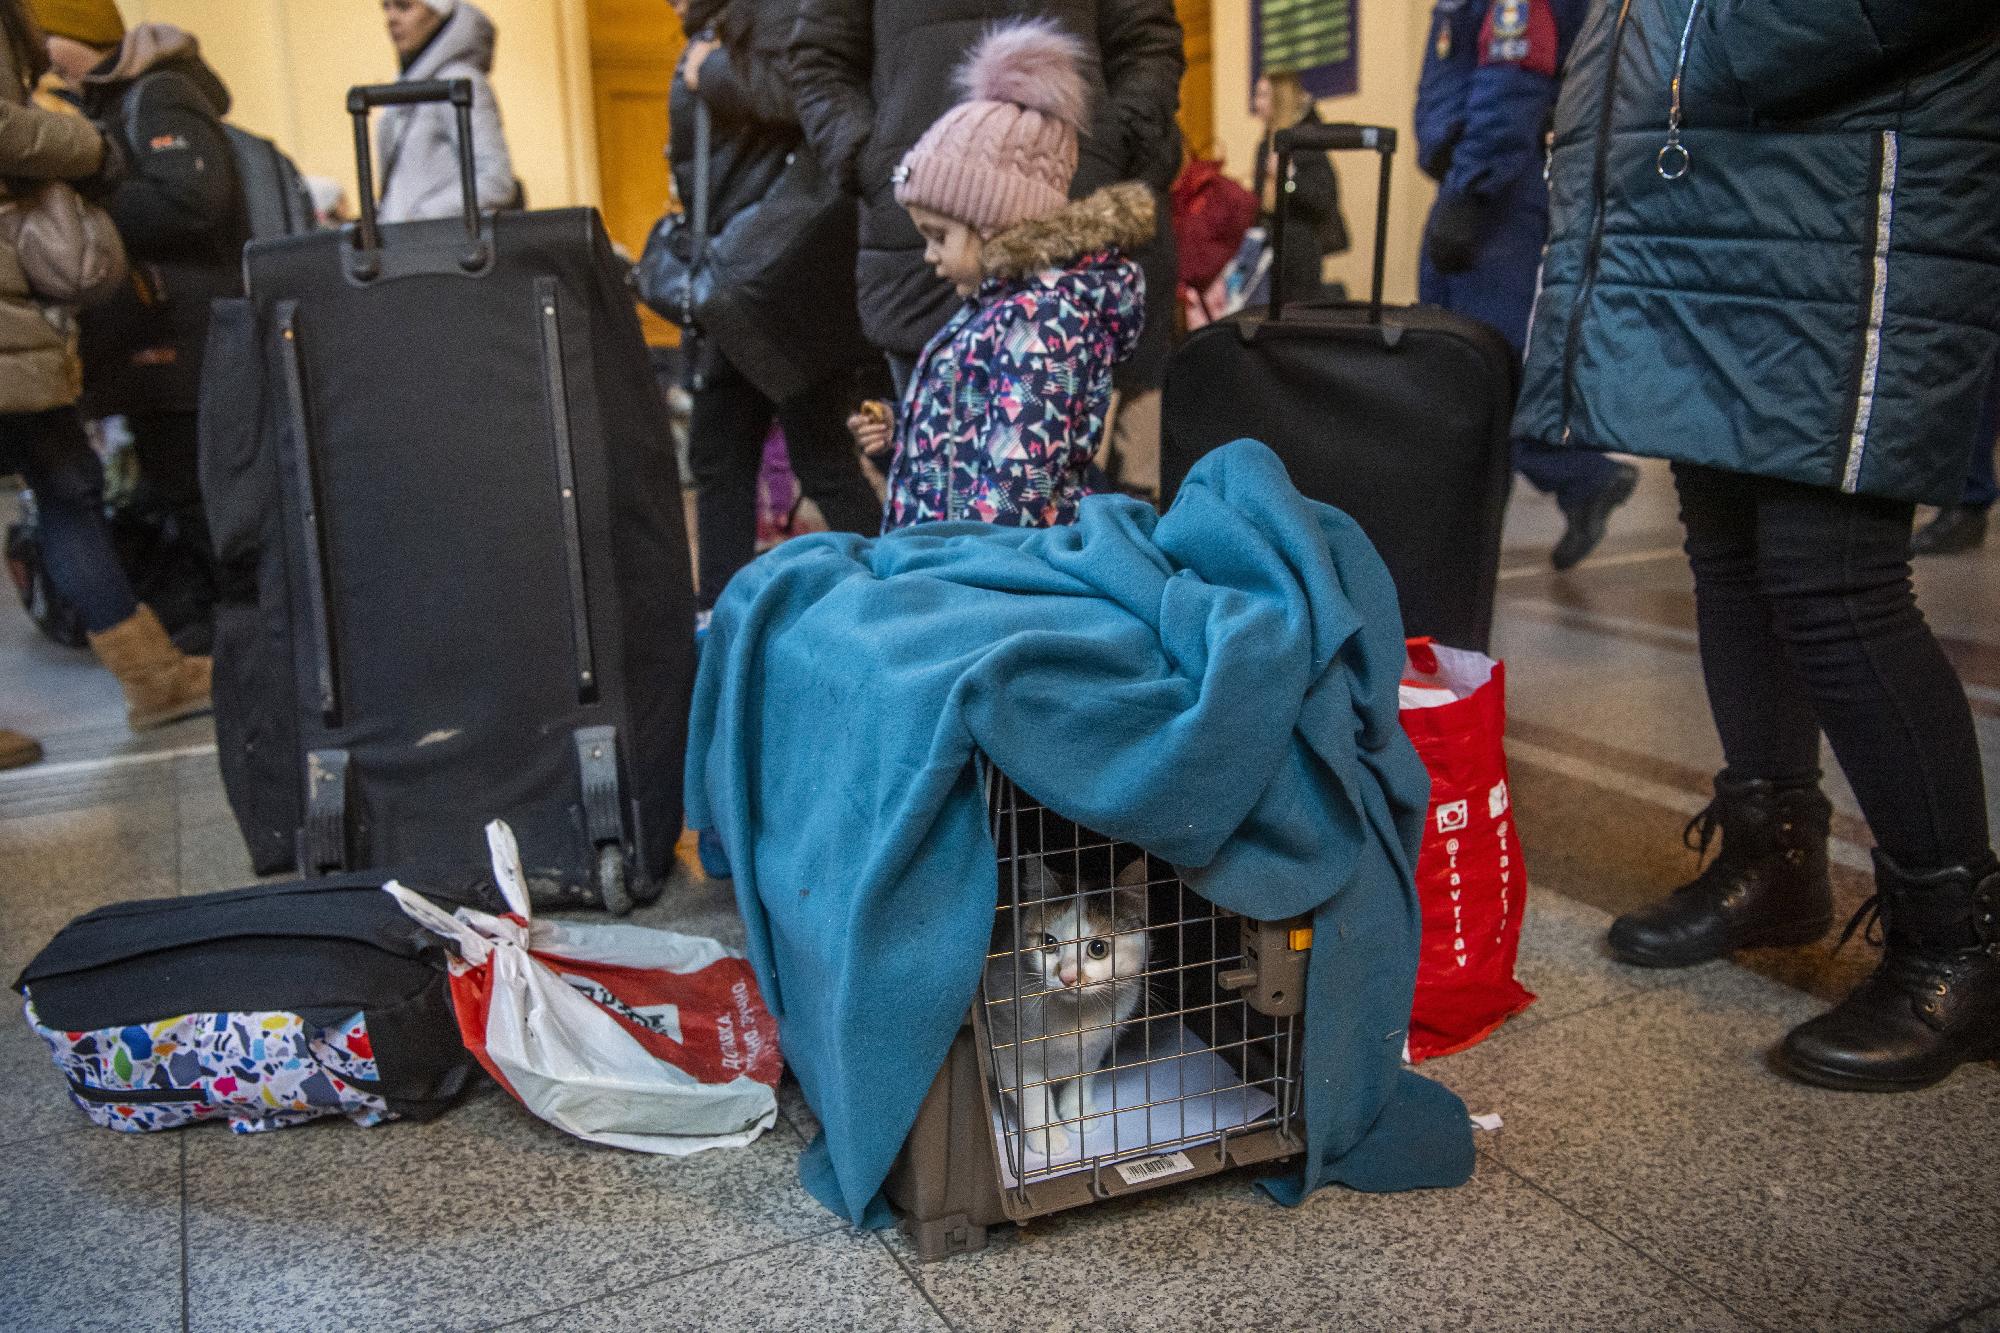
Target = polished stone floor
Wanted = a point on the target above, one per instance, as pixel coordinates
(1652, 1171)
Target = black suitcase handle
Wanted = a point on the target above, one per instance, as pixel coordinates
(367, 264)
(1342, 138)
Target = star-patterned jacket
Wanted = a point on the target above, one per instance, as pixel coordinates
(1008, 402)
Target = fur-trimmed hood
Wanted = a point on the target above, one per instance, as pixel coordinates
(1121, 217)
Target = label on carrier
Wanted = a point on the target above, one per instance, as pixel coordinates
(1148, 1169)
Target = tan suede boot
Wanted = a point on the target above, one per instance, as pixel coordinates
(162, 684)
(18, 751)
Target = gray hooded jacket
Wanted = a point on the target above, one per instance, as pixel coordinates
(417, 146)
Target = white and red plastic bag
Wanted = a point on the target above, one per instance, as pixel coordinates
(623, 1035)
(1470, 878)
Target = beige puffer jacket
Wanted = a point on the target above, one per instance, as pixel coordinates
(38, 365)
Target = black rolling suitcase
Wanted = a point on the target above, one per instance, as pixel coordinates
(1398, 416)
(441, 476)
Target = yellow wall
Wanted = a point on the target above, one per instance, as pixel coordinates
(1392, 35)
(289, 64)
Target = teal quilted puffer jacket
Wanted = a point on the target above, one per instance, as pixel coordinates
(1803, 279)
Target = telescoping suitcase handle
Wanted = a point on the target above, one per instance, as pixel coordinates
(366, 263)
(1379, 139)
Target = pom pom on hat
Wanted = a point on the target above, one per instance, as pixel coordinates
(1006, 154)
(1034, 64)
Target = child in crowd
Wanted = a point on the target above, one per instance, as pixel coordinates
(1008, 402)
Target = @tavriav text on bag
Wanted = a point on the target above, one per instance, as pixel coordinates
(1470, 878)
(623, 1035)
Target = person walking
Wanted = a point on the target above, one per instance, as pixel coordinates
(734, 67)
(1309, 196)
(41, 434)
(417, 146)
(1490, 78)
(870, 79)
(1772, 263)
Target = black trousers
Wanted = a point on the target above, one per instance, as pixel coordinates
(726, 450)
(53, 455)
(1808, 622)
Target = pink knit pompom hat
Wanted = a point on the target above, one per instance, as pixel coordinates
(1007, 153)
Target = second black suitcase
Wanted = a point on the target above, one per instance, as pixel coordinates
(1399, 417)
(441, 474)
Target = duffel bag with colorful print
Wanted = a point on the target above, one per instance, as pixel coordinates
(265, 1007)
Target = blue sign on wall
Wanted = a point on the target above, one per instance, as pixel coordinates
(1315, 39)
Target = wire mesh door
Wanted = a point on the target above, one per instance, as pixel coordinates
(1121, 1016)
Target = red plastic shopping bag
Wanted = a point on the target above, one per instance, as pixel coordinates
(620, 1034)
(1470, 878)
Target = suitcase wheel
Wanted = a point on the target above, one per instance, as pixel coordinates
(611, 885)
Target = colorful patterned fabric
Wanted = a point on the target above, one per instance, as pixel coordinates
(1008, 403)
(258, 1071)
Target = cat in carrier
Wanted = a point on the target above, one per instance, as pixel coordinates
(1061, 984)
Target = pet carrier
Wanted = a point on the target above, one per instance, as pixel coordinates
(1127, 1034)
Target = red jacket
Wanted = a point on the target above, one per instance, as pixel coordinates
(1210, 212)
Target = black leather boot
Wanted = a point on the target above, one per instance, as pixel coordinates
(1767, 888)
(1934, 1002)
(1956, 529)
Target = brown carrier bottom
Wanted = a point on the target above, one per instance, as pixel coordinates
(1184, 1019)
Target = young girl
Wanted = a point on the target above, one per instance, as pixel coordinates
(1008, 402)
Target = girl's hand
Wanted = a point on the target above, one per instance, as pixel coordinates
(871, 429)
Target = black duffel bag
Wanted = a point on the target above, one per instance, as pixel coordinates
(264, 1007)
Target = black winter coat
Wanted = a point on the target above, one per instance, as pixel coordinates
(181, 214)
(872, 75)
(754, 127)
(1314, 226)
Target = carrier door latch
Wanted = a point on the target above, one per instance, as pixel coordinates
(1273, 975)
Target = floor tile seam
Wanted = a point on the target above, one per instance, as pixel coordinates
(1525, 1023)
(1530, 1025)
(616, 1292)
(9, 1145)
(910, 1276)
(1972, 1312)
(1625, 1242)
(187, 1301)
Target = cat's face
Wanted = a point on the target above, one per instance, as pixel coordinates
(1078, 941)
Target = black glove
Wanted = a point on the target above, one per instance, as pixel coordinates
(109, 174)
(1459, 226)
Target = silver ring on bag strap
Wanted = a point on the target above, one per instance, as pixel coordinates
(1675, 161)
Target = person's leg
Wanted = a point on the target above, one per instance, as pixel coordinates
(1135, 443)
(56, 461)
(1588, 487)
(161, 684)
(1837, 573)
(182, 589)
(725, 448)
(1762, 712)
(1768, 885)
(824, 459)
(1836, 569)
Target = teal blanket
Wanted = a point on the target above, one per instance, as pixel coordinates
(1217, 685)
